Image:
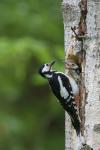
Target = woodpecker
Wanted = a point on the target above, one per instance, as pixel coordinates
(73, 66)
(64, 88)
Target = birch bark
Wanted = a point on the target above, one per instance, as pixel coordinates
(92, 76)
(71, 16)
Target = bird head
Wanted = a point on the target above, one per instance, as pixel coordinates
(46, 69)
(72, 63)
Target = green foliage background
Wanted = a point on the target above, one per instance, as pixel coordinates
(31, 33)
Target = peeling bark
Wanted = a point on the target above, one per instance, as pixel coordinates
(82, 23)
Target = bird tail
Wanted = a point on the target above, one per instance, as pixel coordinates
(73, 112)
(76, 125)
(75, 119)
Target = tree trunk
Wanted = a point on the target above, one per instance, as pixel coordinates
(90, 68)
(92, 75)
(71, 15)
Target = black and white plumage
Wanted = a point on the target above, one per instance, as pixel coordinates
(65, 89)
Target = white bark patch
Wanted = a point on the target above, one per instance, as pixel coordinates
(63, 90)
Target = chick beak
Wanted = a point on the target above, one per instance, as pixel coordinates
(67, 65)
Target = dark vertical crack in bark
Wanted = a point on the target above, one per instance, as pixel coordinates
(81, 33)
(82, 23)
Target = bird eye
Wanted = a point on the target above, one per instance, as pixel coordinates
(73, 64)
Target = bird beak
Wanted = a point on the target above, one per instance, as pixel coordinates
(67, 65)
(52, 63)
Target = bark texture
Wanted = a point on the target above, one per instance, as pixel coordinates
(91, 44)
(71, 15)
(92, 75)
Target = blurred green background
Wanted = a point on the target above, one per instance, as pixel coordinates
(31, 33)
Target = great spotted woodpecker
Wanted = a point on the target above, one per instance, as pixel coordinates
(72, 64)
(65, 89)
(74, 68)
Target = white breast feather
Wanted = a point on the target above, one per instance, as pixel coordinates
(74, 86)
(63, 90)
